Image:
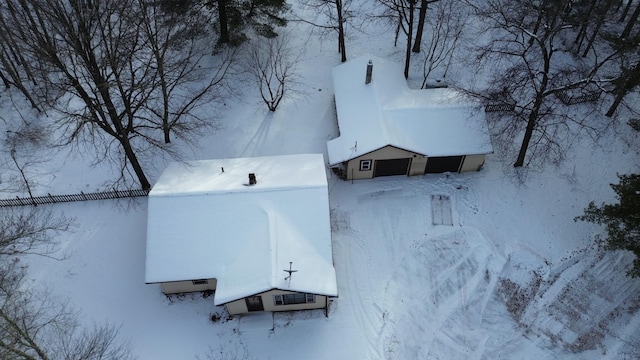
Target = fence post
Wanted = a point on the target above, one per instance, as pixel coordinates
(54, 199)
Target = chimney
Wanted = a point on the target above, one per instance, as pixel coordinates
(252, 179)
(367, 79)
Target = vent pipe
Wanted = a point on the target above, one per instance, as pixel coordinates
(252, 179)
(367, 79)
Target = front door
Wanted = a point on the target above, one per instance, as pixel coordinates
(254, 303)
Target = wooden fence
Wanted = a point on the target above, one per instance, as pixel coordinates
(499, 107)
(566, 98)
(53, 199)
(572, 100)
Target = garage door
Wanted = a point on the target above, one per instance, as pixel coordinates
(443, 164)
(391, 167)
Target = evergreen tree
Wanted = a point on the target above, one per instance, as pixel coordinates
(622, 220)
(262, 16)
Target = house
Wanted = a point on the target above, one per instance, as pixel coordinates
(254, 230)
(388, 129)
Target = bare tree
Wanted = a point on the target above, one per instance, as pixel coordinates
(528, 38)
(30, 232)
(624, 83)
(33, 325)
(601, 8)
(15, 69)
(120, 79)
(598, 24)
(422, 16)
(174, 42)
(626, 10)
(337, 15)
(401, 13)
(24, 153)
(626, 32)
(223, 353)
(273, 64)
(445, 29)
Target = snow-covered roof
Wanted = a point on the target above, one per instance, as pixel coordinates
(204, 222)
(431, 122)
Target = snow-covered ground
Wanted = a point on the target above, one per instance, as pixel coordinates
(514, 277)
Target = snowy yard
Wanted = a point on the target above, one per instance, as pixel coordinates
(499, 271)
(492, 285)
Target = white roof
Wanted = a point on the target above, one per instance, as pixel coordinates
(206, 223)
(431, 122)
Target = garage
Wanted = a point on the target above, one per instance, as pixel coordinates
(440, 164)
(391, 167)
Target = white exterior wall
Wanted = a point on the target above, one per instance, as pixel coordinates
(175, 287)
(240, 306)
(416, 166)
(472, 163)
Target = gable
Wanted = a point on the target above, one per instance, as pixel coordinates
(244, 236)
(433, 122)
(386, 152)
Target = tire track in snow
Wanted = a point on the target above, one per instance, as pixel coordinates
(576, 306)
(359, 300)
(390, 231)
(459, 273)
(366, 309)
(462, 290)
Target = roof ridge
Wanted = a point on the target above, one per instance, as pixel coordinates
(273, 245)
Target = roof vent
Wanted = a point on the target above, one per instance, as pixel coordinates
(367, 79)
(252, 179)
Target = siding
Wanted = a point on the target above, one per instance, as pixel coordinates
(417, 166)
(240, 306)
(472, 163)
(176, 287)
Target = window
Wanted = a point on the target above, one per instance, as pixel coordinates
(365, 165)
(291, 299)
(277, 299)
(200, 282)
(311, 298)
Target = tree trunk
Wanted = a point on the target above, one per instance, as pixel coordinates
(166, 129)
(395, 40)
(585, 25)
(341, 44)
(531, 125)
(166, 126)
(536, 27)
(532, 121)
(632, 21)
(407, 61)
(593, 37)
(135, 164)
(619, 96)
(597, 28)
(421, 18)
(224, 22)
(625, 11)
(6, 82)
